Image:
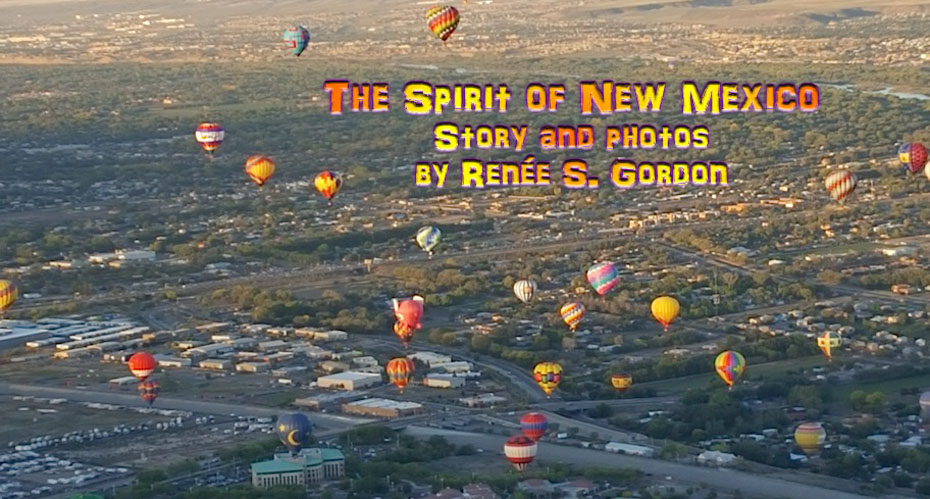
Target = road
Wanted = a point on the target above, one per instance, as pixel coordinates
(750, 485)
(322, 422)
(631, 403)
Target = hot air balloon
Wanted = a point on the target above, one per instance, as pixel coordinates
(209, 136)
(142, 365)
(809, 437)
(328, 183)
(913, 157)
(621, 381)
(520, 451)
(572, 313)
(524, 290)
(428, 237)
(841, 184)
(409, 312)
(548, 375)
(296, 39)
(148, 390)
(293, 429)
(828, 341)
(730, 366)
(534, 425)
(442, 21)
(8, 294)
(665, 309)
(259, 169)
(925, 405)
(399, 371)
(603, 277)
(403, 332)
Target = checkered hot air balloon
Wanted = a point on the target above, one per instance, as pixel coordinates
(603, 277)
(913, 157)
(8, 295)
(259, 169)
(399, 371)
(141, 365)
(828, 341)
(524, 290)
(809, 437)
(840, 184)
(442, 21)
(572, 313)
(730, 366)
(296, 39)
(534, 425)
(328, 184)
(548, 375)
(520, 451)
(209, 136)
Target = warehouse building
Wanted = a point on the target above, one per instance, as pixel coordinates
(382, 408)
(350, 380)
(309, 467)
(216, 364)
(443, 381)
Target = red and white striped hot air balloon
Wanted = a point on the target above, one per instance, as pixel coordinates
(520, 451)
(141, 365)
(841, 184)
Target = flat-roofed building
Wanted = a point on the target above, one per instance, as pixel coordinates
(349, 380)
(174, 362)
(443, 381)
(272, 346)
(243, 343)
(206, 351)
(125, 380)
(320, 335)
(456, 367)
(382, 408)
(277, 357)
(216, 364)
(332, 366)
(430, 359)
(252, 367)
(310, 467)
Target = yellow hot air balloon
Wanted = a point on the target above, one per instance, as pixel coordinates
(259, 169)
(621, 381)
(809, 437)
(8, 295)
(665, 309)
(548, 375)
(829, 341)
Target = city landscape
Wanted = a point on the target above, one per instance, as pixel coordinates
(255, 304)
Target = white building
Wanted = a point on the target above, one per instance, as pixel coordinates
(431, 359)
(350, 380)
(635, 450)
(443, 381)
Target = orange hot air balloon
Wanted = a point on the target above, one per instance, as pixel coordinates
(404, 332)
(328, 184)
(141, 365)
(399, 371)
(259, 169)
(621, 381)
(665, 309)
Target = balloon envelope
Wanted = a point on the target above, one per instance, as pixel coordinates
(809, 437)
(428, 237)
(524, 290)
(293, 429)
(534, 425)
(442, 21)
(665, 309)
(209, 136)
(328, 184)
(259, 169)
(399, 371)
(828, 341)
(572, 313)
(840, 184)
(296, 39)
(8, 295)
(603, 277)
(409, 312)
(520, 451)
(548, 375)
(621, 381)
(730, 366)
(141, 365)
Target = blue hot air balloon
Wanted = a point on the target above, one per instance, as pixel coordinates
(293, 430)
(297, 39)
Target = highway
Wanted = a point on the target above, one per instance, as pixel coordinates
(631, 403)
(322, 422)
(749, 485)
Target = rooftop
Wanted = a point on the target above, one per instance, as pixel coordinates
(385, 404)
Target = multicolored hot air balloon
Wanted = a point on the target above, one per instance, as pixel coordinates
(520, 451)
(524, 290)
(840, 184)
(293, 429)
(730, 366)
(621, 381)
(925, 406)
(572, 313)
(809, 437)
(442, 21)
(829, 341)
(404, 332)
(8, 295)
(548, 375)
(665, 309)
(399, 371)
(209, 136)
(148, 390)
(142, 365)
(328, 184)
(534, 425)
(428, 237)
(259, 169)
(603, 277)
(296, 39)
(913, 157)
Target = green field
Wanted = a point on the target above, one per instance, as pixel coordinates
(891, 388)
(680, 385)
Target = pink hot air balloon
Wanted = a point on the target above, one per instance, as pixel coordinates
(409, 312)
(603, 277)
